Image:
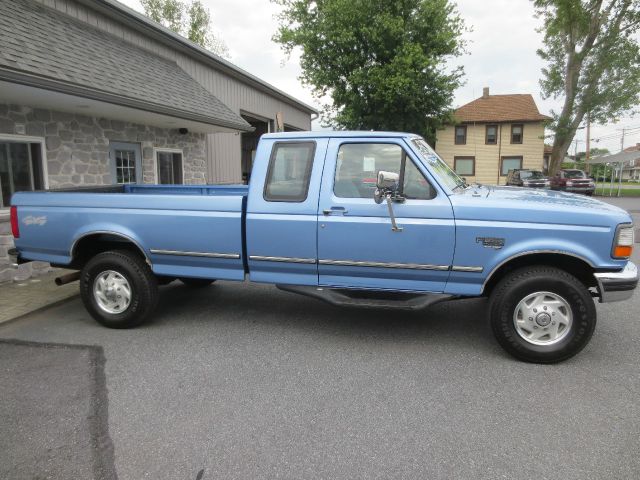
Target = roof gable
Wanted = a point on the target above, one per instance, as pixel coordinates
(500, 108)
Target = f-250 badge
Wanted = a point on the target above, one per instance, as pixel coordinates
(491, 242)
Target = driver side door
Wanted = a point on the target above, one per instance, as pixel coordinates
(356, 246)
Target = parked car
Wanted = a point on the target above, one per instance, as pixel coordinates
(525, 177)
(574, 181)
(311, 223)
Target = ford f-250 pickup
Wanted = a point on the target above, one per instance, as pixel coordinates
(354, 218)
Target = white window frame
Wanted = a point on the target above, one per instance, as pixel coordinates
(157, 150)
(8, 137)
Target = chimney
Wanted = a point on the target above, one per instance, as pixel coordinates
(485, 92)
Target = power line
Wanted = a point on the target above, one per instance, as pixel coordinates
(612, 136)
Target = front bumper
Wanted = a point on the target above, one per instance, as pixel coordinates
(580, 189)
(617, 286)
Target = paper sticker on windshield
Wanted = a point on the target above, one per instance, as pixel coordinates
(369, 164)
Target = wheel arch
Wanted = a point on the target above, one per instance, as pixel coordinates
(576, 265)
(93, 242)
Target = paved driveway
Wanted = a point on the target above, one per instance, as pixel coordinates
(245, 381)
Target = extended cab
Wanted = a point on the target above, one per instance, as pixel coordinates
(360, 218)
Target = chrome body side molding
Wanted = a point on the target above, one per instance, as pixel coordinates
(462, 268)
(262, 258)
(179, 253)
(410, 266)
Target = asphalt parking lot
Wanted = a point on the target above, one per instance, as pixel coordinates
(245, 381)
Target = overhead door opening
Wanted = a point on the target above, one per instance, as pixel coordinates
(250, 143)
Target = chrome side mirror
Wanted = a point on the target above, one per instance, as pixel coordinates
(386, 185)
(388, 180)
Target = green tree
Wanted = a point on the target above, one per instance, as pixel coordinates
(379, 63)
(189, 19)
(592, 62)
(594, 152)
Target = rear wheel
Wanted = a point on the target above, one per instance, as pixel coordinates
(118, 289)
(196, 282)
(542, 314)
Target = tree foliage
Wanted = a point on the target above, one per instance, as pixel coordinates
(592, 62)
(381, 63)
(189, 19)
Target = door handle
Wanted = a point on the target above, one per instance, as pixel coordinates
(334, 210)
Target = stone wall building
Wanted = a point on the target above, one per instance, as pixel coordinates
(94, 93)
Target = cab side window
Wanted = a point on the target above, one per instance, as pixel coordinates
(289, 172)
(358, 165)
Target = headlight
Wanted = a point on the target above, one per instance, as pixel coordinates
(623, 241)
(569, 183)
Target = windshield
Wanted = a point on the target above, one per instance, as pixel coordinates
(446, 176)
(530, 174)
(574, 174)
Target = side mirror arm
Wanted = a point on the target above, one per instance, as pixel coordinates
(387, 189)
(390, 196)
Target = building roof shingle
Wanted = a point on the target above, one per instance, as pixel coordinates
(40, 46)
(500, 108)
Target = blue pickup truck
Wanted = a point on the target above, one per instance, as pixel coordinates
(353, 218)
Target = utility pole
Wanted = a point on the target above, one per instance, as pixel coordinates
(588, 148)
(621, 168)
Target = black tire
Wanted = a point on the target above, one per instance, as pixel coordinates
(196, 282)
(143, 285)
(519, 284)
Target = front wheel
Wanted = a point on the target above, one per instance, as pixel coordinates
(118, 289)
(542, 314)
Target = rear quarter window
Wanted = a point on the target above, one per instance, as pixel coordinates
(289, 172)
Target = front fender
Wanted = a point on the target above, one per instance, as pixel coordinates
(489, 245)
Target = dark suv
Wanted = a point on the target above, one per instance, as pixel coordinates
(523, 177)
(575, 181)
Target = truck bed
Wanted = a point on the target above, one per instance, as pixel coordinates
(183, 230)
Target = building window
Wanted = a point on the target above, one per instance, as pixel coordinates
(516, 133)
(289, 172)
(510, 163)
(20, 168)
(358, 165)
(125, 162)
(125, 167)
(465, 165)
(491, 135)
(169, 167)
(461, 135)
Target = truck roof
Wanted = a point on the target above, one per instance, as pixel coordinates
(339, 134)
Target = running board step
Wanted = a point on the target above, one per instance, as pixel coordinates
(369, 298)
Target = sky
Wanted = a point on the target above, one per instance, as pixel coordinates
(502, 44)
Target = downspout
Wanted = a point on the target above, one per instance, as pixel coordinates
(499, 154)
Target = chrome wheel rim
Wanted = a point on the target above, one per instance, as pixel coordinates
(112, 292)
(543, 318)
